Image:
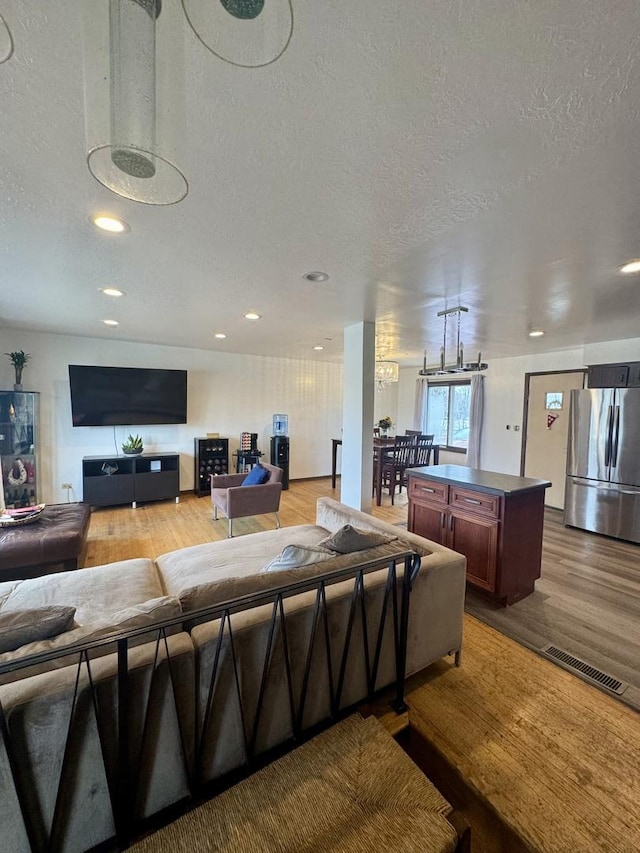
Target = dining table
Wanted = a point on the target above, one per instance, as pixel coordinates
(379, 446)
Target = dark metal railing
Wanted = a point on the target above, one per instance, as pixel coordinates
(124, 781)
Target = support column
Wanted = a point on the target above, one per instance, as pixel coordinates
(357, 416)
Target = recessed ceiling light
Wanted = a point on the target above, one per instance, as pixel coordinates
(316, 276)
(112, 291)
(251, 315)
(220, 335)
(536, 333)
(631, 266)
(109, 223)
(110, 322)
(318, 348)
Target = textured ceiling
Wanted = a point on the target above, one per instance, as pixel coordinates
(424, 154)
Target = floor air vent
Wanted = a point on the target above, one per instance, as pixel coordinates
(585, 669)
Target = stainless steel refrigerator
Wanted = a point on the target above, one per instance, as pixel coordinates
(603, 462)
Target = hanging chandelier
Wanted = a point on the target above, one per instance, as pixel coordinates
(386, 372)
(459, 365)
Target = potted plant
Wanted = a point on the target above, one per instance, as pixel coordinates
(18, 359)
(132, 446)
(385, 425)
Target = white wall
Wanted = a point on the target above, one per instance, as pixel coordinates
(504, 397)
(227, 393)
(385, 402)
(231, 394)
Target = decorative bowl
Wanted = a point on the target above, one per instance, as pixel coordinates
(23, 515)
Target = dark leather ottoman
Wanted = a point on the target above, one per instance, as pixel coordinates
(52, 543)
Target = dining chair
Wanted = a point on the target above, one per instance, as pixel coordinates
(412, 432)
(421, 454)
(394, 462)
(424, 447)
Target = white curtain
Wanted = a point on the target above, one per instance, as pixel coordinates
(420, 407)
(476, 417)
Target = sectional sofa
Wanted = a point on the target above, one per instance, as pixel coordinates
(211, 667)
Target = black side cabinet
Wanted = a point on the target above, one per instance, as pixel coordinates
(112, 480)
(211, 457)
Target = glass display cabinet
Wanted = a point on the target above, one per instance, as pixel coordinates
(18, 447)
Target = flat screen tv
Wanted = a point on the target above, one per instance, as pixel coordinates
(127, 396)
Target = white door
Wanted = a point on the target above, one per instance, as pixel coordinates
(546, 430)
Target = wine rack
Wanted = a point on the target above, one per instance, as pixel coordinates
(211, 457)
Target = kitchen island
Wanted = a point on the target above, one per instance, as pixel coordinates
(495, 520)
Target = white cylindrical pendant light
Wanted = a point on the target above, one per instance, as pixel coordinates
(130, 163)
(133, 85)
(249, 33)
(6, 41)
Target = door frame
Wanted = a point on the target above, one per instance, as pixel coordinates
(525, 408)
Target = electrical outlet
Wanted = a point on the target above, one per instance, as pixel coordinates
(66, 486)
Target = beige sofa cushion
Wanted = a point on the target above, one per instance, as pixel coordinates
(38, 712)
(95, 593)
(246, 555)
(437, 599)
(116, 597)
(136, 616)
(227, 588)
(18, 627)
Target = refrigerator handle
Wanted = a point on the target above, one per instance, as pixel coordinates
(607, 446)
(614, 439)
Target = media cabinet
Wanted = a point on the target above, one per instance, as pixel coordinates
(113, 480)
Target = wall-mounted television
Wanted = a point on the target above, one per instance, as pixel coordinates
(127, 396)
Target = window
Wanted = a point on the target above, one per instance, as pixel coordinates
(447, 414)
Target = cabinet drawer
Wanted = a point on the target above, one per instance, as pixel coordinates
(428, 490)
(475, 502)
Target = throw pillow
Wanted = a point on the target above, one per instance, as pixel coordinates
(257, 476)
(349, 539)
(19, 627)
(296, 556)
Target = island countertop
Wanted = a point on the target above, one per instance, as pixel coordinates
(479, 480)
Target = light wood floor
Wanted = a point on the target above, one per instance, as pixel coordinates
(536, 759)
(587, 602)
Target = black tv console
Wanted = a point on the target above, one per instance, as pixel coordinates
(113, 480)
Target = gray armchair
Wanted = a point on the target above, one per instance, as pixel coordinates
(238, 501)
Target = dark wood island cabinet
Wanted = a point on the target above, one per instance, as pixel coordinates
(495, 520)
